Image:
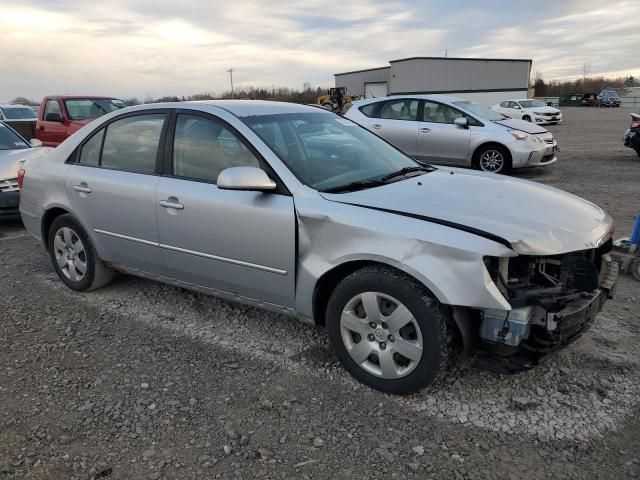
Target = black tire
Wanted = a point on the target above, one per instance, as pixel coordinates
(526, 118)
(96, 274)
(506, 167)
(434, 321)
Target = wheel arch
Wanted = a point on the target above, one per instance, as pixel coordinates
(328, 281)
(47, 219)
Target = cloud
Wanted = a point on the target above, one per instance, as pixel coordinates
(152, 47)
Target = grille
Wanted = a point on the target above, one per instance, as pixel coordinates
(9, 185)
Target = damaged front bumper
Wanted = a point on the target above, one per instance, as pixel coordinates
(516, 340)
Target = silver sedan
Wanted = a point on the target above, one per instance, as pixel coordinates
(298, 210)
(448, 130)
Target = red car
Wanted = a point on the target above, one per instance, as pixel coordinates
(62, 115)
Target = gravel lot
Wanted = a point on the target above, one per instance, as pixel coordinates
(144, 381)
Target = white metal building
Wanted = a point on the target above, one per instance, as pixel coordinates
(484, 80)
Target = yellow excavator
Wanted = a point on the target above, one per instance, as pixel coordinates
(337, 100)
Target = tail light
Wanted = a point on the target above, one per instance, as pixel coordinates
(21, 173)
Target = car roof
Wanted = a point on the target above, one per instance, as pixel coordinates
(239, 108)
(71, 97)
(421, 96)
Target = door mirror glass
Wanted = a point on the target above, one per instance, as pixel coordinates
(245, 178)
(53, 117)
(461, 122)
(35, 143)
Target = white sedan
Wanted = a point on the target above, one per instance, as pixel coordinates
(529, 110)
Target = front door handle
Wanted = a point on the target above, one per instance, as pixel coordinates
(424, 130)
(171, 202)
(376, 126)
(82, 188)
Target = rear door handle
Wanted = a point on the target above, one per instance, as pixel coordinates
(376, 126)
(171, 203)
(82, 188)
(424, 130)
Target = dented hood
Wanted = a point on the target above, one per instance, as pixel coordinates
(534, 219)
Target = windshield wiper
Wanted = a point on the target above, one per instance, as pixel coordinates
(405, 170)
(353, 186)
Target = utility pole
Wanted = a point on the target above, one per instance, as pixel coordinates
(230, 71)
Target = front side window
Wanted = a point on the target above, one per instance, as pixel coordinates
(132, 143)
(52, 107)
(9, 140)
(325, 151)
(84, 108)
(440, 113)
(202, 148)
(406, 109)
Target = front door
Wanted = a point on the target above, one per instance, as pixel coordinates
(238, 242)
(397, 123)
(112, 186)
(439, 140)
(52, 133)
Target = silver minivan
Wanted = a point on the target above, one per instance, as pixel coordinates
(448, 130)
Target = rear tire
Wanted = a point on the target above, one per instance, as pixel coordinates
(526, 118)
(409, 347)
(635, 269)
(74, 258)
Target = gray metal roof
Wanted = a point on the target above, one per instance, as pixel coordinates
(464, 58)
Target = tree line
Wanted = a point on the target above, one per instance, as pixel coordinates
(587, 84)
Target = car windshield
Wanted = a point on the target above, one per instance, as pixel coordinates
(479, 110)
(83, 108)
(608, 93)
(9, 140)
(327, 152)
(531, 103)
(19, 113)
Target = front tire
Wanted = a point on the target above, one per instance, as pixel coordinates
(526, 118)
(74, 258)
(388, 331)
(493, 159)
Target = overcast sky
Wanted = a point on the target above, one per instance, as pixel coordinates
(156, 47)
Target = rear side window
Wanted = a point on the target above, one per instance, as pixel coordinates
(90, 152)
(132, 143)
(370, 110)
(202, 148)
(400, 110)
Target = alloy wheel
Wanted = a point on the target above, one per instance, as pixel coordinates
(381, 335)
(70, 254)
(492, 161)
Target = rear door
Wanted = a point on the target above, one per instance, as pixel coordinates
(439, 140)
(51, 132)
(238, 242)
(112, 186)
(397, 123)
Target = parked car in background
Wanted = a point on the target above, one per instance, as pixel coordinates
(17, 112)
(14, 150)
(22, 118)
(529, 110)
(301, 211)
(441, 129)
(609, 98)
(60, 116)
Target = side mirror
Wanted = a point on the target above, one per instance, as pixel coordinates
(35, 143)
(461, 122)
(245, 178)
(53, 117)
